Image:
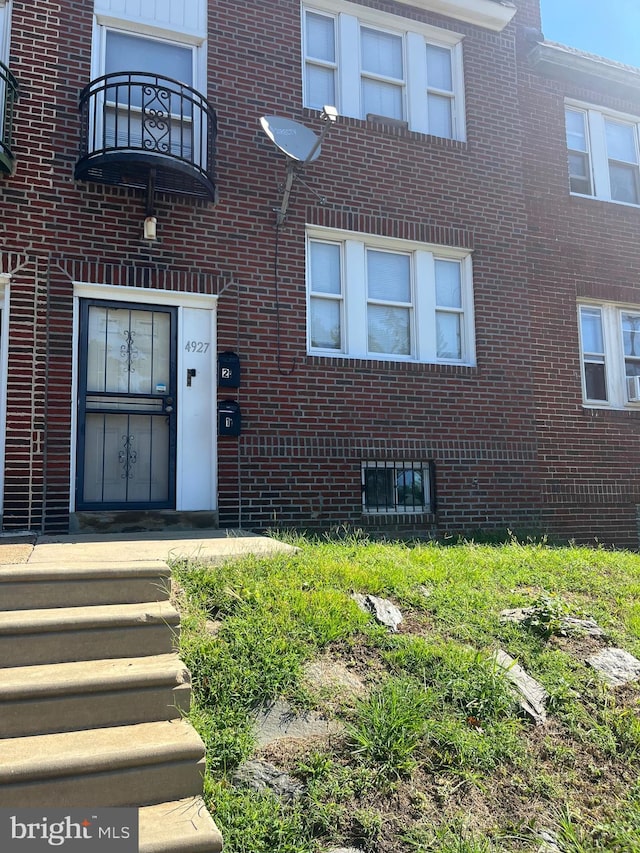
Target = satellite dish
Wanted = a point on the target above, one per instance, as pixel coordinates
(292, 138)
(298, 144)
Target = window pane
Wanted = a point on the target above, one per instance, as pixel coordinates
(126, 52)
(410, 487)
(621, 141)
(439, 74)
(320, 86)
(389, 330)
(594, 376)
(624, 183)
(578, 165)
(388, 276)
(591, 325)
(325, 324)
(631, 334)
(378, 488)
(381, 53)
(440, 115)
(576, 133)
(382, 99)
(325, 268)
(449, 337)
(320, 37)
(448, 284)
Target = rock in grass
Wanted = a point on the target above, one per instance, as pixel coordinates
(567, 625)
(383, 610)
(616, 666)
(260, 776)
(344, 850)
(530, 694)
(279, 720)
(549, 841)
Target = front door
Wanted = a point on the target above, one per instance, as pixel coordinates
(126, 407)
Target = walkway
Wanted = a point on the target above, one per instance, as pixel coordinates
(210, 545)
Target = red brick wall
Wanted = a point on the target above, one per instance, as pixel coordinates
(309, 421)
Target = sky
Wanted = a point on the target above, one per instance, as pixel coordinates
(609, 28)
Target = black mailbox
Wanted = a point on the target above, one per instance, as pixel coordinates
(229, 418)
(228, 370)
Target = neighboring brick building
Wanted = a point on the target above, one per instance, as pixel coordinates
(405, 318)
(584, 260)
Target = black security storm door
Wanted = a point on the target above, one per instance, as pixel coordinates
(126, 407)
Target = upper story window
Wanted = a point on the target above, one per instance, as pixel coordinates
(610, 345)
(369, 63)
(604, 154)
(371, 297)
(129, 96)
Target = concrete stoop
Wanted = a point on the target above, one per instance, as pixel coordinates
(92, 700)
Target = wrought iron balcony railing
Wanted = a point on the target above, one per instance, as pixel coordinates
(148, 132)
(8, 95)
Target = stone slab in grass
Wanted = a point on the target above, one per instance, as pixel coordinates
(568, 625)
(280, 720)
(530, 694)
(616, 666)
(382, 610)
(260, 775)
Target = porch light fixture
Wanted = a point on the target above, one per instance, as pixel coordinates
(150, 232)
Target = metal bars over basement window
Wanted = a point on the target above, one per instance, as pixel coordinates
(397, 487)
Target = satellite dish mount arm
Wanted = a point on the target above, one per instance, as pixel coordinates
(281, 214)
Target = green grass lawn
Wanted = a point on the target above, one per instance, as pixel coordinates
(435, 754)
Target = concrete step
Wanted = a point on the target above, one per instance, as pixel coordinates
(33, 586)
(144, 764)
(32, 637)
(184, 826)
(65, 697)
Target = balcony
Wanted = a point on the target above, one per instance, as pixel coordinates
(8, 95)
(148, 132)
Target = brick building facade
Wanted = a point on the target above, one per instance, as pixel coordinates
(406, 320)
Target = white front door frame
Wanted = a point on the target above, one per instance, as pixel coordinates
(4, 372)
(196, 449)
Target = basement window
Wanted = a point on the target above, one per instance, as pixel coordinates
(396, 487)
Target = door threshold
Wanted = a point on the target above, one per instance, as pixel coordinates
(140, 521)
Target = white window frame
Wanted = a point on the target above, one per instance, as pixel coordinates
(397, 468)
(5, 21)
(354, 297)
(597, 154)
(103, 23)
(614, 357)
(348, 19)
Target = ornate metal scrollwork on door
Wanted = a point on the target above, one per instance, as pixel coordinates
(129, 351)
(127, 457)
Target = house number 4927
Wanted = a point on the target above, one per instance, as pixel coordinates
(197, 346)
